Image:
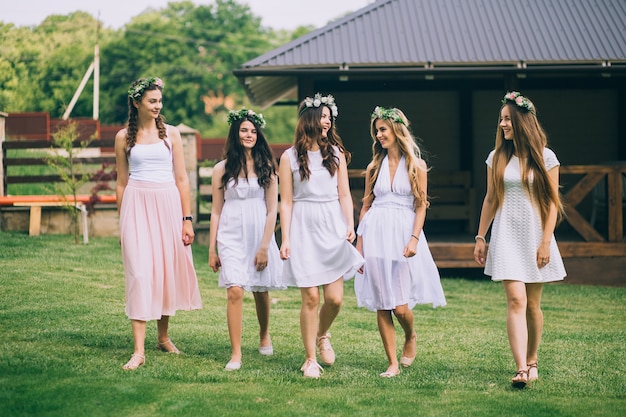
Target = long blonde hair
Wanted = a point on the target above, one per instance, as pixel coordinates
(407, 144)
(529, 141)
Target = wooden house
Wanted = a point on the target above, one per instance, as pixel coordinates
(447, 64)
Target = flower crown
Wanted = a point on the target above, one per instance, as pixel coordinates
(519, 100)
(136, 91)
(319, 100)
(244, 113)
(387, 114)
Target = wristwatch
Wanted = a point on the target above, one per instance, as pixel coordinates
(190, 218)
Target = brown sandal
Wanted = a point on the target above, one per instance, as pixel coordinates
(533, 372)
(520, 379)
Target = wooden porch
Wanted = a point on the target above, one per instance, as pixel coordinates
(593, 253)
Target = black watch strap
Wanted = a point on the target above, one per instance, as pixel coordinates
(190, 218)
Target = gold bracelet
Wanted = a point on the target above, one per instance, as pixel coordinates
(479, 237)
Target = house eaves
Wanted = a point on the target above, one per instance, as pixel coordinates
(448, 36)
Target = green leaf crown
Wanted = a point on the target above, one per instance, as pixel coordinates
(246, 114)
(136, 91)
(387, 114)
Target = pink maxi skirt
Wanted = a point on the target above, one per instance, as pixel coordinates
(159, 270)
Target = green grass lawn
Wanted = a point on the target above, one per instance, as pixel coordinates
(65, 337)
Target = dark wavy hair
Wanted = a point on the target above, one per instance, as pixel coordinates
(131, 131)
(308, 131)
(264, 164)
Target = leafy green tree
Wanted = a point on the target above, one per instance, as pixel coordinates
(194, 48)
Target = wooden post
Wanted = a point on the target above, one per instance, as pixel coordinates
(3, 116)
(190, 138)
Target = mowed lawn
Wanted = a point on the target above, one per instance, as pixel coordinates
(64, 337)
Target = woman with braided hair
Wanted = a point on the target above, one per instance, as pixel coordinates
(523, 202)
(399, 270)
(156, 230)
(317, 224)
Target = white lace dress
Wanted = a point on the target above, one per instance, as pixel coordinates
(389, 279)
(516, 232)
(320, 253)
(239, 236)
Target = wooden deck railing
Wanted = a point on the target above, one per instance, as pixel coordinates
(613, 199)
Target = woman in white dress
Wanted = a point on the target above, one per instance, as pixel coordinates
(523, 202)
(243, 217)
(317, 224)
(399, 270)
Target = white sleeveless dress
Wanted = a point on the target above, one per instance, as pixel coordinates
(516, 232)
(239, 235)
(320, 253)
(389, 279)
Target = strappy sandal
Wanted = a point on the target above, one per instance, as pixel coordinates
(390, 374)
(407, 361)
(533, 372)
(168, 346)
(520, 379)
(136, 360)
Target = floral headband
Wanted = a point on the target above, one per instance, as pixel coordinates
(319, 100)
(244, 113)
(136, 91)
(519, 100)
(387, 114)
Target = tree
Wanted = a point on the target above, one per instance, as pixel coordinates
(64, 162)
(194, 49)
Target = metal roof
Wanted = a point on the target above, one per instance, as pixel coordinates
(433, 34)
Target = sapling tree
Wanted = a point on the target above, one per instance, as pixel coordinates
(64, 162)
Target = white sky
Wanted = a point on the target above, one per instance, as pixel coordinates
(277, 14)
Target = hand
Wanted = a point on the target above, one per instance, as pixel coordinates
(410, 249)
(214, 262)
(359, 247)
(188, 233)
(284, 251)
(350, 235)
(543, 255)
(260, 260)
(479, 252)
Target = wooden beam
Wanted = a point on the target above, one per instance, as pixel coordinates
(591, 249)
(614, 192)
(581, 225)
(578, 192)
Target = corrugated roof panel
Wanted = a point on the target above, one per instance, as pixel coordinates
(452, 33)
(448, 32)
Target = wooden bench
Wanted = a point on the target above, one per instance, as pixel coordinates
(36, 202)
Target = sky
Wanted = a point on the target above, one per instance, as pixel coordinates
(277, 14)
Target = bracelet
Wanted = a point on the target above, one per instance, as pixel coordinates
(479, 237)
(416, 238)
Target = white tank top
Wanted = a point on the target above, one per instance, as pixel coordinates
(152, 162)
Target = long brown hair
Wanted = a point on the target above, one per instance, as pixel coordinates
(528, 143)
(131, 131)
(308, 131)
(264, 164)
(408, 147)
